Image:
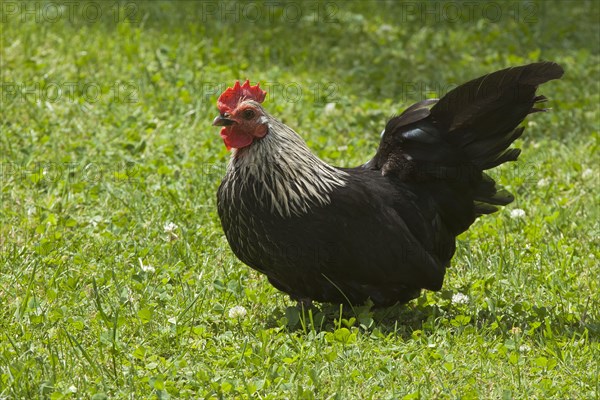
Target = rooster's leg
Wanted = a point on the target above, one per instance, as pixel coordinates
(304, 303)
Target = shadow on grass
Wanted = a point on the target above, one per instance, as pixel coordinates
(421, 317)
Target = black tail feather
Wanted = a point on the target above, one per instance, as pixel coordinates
(470, 130)
(512, 86)
(482, 116)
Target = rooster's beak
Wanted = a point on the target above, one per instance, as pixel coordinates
(222, 121)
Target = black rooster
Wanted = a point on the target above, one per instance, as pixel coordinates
(386, 229)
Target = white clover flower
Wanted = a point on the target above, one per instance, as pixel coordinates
(170, 229)
(517, 213)
(459, 298)
(386, 28)
(146, 267)
(237, 312)
(543, 182)
(329, 108)
(524, 348)
(587, 173)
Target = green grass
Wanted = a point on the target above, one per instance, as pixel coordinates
(98, 300)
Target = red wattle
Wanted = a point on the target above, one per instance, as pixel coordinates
(234, 139)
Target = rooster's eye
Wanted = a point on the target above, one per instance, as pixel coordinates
(248, 114)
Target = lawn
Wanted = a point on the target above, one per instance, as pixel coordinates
(116, 280)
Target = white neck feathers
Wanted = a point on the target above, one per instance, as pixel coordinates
(280, 173)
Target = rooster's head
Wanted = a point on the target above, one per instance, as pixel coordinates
(241, 116)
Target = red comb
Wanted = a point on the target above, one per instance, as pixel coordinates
(229, 99)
